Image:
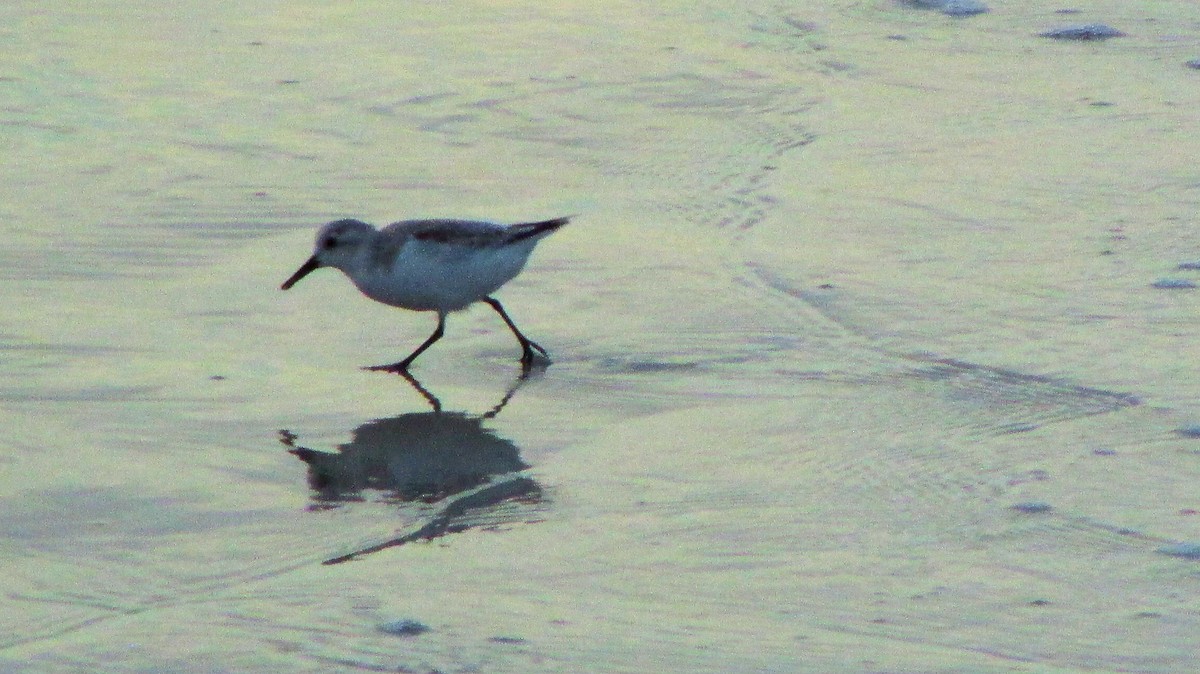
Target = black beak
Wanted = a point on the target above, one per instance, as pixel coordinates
(304, 270)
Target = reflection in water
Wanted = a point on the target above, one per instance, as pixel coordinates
(517, 499)
(441, 458)
(425, 456)
(527, 369)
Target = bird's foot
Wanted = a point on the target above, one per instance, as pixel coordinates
(527, 349)
(529, 359)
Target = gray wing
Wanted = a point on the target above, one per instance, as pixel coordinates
(462, 232)
(386, 247)
(471, 233)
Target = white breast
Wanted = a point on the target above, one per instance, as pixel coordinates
(436, 276)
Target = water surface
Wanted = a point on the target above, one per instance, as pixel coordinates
(858, 362)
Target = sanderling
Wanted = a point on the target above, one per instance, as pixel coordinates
(430, 265)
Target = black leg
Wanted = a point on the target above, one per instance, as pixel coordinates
(402, 366)
(527, 346)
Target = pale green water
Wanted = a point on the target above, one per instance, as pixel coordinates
(728, 467)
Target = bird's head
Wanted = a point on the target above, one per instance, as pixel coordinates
(336, 245)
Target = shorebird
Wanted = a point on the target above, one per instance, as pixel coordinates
(430, 265)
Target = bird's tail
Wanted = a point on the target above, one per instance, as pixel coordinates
(530, 229)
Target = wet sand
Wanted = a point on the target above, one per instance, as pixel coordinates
(858, 360)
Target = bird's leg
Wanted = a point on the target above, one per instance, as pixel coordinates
(402, 366)
(527, 346)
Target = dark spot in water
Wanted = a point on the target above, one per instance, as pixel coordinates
(1104, 451)
(1189, 431)
(1184, 550)
(217, 377)
(826, 286)
(1102, 104)
(403, 628)
(1189, 266)
(1189, 511)
(1068, 10)
(963, 7)
(897, 37)
(951, 7)
(1174, 284)
(1040, 602)
(506, 640)
(1194, 64)
(1032, 507)
(1147, 614)
(1087, 31)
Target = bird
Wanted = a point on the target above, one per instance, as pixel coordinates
(439, 265)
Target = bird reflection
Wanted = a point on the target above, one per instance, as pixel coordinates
(512, 390)
(469, 474)
(420, 456)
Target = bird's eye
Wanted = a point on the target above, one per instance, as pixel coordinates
(328, 243)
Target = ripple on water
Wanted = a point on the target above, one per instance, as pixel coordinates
(403, 628)
(1032, 507)
(1174, 284)
(1083, 32)
(1184, 550)
(1189, 431)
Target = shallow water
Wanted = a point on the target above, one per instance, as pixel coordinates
(858, 361)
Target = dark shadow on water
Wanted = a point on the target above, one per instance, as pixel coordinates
(419, 456)
(449, 460)
(425, 456)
